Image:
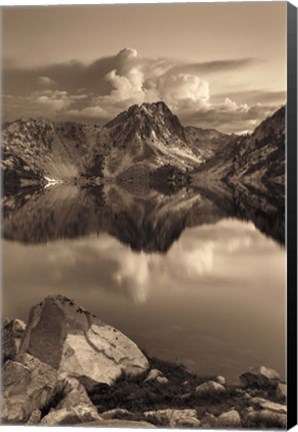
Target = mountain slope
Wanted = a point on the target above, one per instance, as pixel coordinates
(261, 156)
(136, 142)
(38, 148)
(206, 142)
(144, 138)
(141, 145)
(257, 158)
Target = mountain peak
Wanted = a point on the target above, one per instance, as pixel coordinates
(147, 120)
(146, 109)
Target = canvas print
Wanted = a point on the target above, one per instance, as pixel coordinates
(143, 215)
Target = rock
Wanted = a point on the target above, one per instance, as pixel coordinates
(266, 418)
(260, 377)
(153, 374)
(71, 340)
(210, 388)
(229, 419)
(269, 405)
(12, 333)
(115, 414)
(162, 380)
(75, 395)
(28, 385)
(221, 380)
(75, 415)
(208, 421)
(281, 392)
(121, 424)
(34, 418)
(188, 422)
(174, 417)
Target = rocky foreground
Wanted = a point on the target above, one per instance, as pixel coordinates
(66, 367)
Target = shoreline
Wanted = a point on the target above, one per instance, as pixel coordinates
(65, 366)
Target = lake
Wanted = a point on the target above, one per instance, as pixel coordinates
(195, 277)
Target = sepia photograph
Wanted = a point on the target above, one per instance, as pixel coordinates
(143, 215)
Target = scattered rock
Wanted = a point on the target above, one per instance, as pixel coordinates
(162, 380)
(75, 415)
(115, 414)
(281, 392)
(153, 374)
(28, 385)
(210, 388)
(269, 405)
(121, 424)
(266, 418)
(174, 417)
(12, 333)
(221, 380)
(208, 421)
(260, 377)
(230, 419)
(34, 418)
(71, 340)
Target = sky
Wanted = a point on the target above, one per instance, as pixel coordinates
(216, 65)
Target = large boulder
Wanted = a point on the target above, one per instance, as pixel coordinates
(260, 377)
(73, 341)
(28, 385)
(173, 417)
(12, 334)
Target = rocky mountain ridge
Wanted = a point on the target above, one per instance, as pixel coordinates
(256, 159)
(66, 367)
(142, 138)
(144, 145)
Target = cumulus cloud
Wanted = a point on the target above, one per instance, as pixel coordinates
(109, 85)
(55, 101)
(184, 90)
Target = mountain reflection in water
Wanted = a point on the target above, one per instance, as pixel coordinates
(196, 276)
(144, 219)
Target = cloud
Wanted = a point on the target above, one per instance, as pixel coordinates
(45, 81)
(95, 112)
(109, 85)
(183, 90)
(55, 101)
(217, 66)
(229, 116)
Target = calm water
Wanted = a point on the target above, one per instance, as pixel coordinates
(184, 276)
